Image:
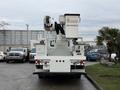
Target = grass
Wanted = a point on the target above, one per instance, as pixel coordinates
(107, 77)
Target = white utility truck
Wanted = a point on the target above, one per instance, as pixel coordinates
(59, 53)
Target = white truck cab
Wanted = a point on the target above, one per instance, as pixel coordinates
(66, 55)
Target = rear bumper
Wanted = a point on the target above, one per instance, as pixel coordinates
(14, 59)
(48, 73)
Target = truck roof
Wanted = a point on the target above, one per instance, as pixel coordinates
(68, 14)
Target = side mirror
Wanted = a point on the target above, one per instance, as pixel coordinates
(8, 50)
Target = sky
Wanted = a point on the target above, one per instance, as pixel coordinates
(94, 14)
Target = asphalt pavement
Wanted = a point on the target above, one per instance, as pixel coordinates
(18, 76)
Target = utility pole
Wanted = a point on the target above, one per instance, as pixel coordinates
(27, 25)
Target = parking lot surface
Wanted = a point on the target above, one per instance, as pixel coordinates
(18, 76)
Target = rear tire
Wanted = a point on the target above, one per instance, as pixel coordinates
(23, 60)
(88, 59)
(7, 61)
(77, 77)
(39, 76)
(29, 61)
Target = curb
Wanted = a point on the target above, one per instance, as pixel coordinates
(93, 82)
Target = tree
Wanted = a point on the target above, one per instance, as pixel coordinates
(112, 38)
(99, 40)
(117, 42)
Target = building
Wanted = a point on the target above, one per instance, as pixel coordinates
(91, 43)
(18, 38)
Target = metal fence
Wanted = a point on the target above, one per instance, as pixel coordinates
(17, 38)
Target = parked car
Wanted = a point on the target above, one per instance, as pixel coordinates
(113, 56)
(16, 54)
(2, 56)
(103, 53)
(92, 56)
(32, 55)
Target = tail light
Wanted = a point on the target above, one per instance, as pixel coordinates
(82, 62)
(37, 61)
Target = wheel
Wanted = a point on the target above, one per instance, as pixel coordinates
(88, 59)
(23, 60)
(78, 76)
(29, 61)
(4, 59)
(7, 61)
(39, 76)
